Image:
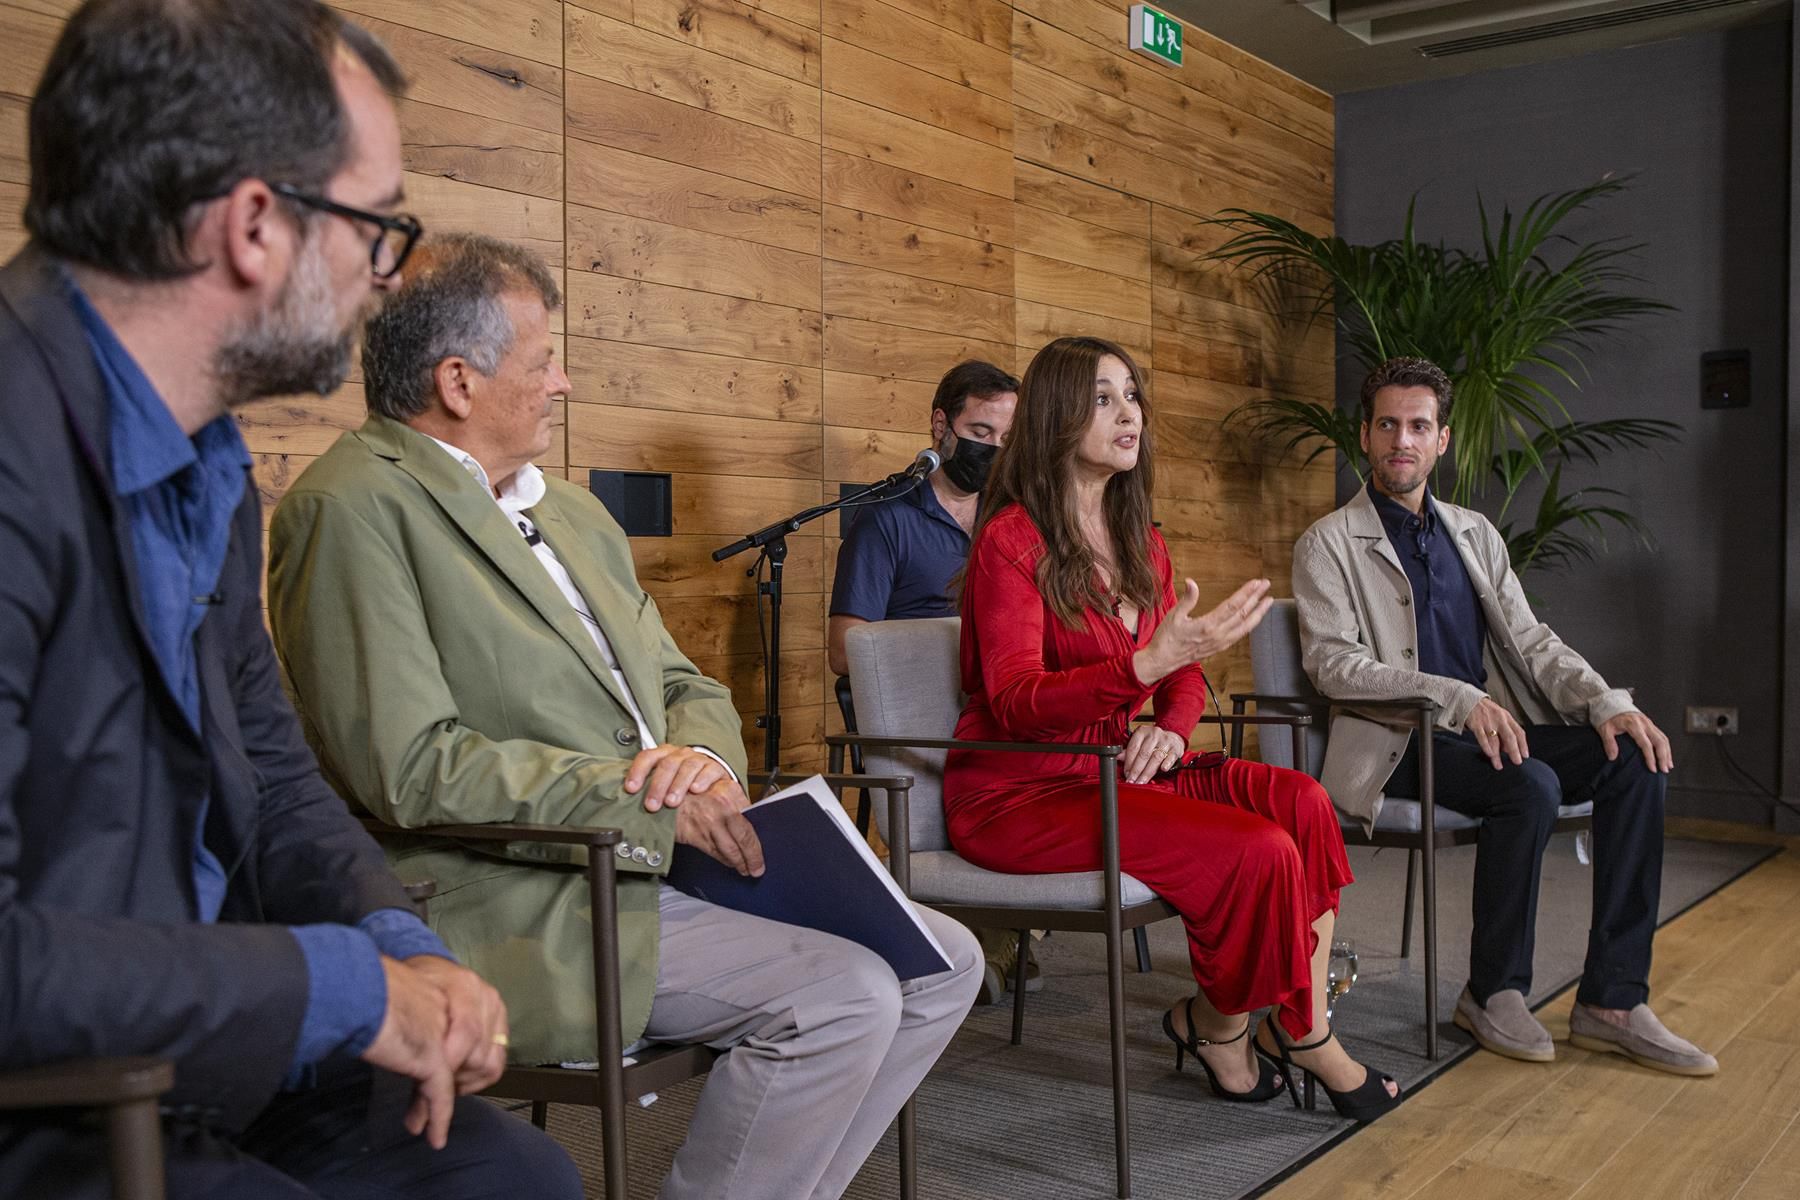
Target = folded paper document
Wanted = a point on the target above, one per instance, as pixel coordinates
(820, 873)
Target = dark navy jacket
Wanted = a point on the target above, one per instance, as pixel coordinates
(101, 775)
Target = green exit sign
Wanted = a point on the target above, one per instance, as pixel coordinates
(1156, 34)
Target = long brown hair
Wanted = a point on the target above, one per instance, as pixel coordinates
(1035, 468)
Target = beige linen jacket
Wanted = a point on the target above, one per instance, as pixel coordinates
(1358, 638)
(443, 678)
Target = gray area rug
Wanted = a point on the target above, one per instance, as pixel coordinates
(999, 1121)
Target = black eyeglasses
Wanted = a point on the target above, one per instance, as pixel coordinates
(396, 239)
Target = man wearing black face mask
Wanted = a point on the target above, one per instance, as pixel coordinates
(898, 558)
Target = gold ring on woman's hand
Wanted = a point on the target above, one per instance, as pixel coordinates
(500, 1039)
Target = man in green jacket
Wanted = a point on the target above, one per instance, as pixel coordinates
(467, 642)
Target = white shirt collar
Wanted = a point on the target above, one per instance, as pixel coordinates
(523, 491)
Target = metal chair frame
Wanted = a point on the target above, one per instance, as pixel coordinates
(614, 1082)
(1112, 919)
(127, 1090)
(1421, 846)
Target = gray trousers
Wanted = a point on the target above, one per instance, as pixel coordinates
(826, 1046)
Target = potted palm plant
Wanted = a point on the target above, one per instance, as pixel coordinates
(1508, 322)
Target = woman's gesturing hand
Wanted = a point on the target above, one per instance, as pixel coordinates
(1184, 638)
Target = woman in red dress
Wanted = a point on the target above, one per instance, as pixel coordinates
(1070, 623)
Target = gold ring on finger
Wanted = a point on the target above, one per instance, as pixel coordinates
(500, 1039)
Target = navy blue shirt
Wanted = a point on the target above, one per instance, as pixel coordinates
(1452, 627)
(179, 495)
(897, 560)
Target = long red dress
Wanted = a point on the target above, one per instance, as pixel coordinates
(1250, 855)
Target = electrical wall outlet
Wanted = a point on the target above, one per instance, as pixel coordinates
(1715, 721)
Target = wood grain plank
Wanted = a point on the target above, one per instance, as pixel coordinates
(889, 191)
(987, 21)
(474, 149)
(615, 244)
(854, 454)
(1262, 174)
(753, 34)
(710, 625)
(1268, 329)
(636, 439)
(475, 79)
(15, 140)
(1039, 324)
(1192, 396)
(676, 194)
(874, 402)
(529, 28)
(304, 425)
(1053, 235)
(871, 294)
(28, 38)
(1128, 80)
(530, 221)
(804, 13)
(1052, 191)
(1101, 24)
(802, 680)
(1066, 285)
(853, 72)
(635, 57)
(870, 132)
(724, 507)
(866, 239)
(627, 119)
(628, 310)
(655, 377)
(1077, 151)
(682, 566)
(885, 30)
(865, 348)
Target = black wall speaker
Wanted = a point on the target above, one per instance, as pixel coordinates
(640, 501)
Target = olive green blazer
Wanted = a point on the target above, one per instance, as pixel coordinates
(442, 677)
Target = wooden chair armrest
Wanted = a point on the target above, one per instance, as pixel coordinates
(86, 1083)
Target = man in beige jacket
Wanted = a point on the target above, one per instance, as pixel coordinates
(468, 642)
(1401, 595)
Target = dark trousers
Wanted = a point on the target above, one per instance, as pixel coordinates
(1517, 806)
(341, 1140)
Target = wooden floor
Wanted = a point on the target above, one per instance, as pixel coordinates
(1597, 1127)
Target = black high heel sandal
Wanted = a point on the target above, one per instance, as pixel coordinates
(1361, 1104)
(1268, 1079)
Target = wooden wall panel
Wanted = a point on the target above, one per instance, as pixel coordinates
(780, 221)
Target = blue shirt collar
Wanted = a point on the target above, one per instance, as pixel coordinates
(1396, 515)
(148, 445)
(924, 497)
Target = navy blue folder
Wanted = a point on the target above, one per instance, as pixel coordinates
(820, 873)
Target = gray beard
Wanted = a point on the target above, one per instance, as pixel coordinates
(292, 347)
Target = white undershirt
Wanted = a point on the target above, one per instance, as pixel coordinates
(524, 491)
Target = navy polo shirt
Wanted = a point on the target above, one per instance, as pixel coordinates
(898, 558)
(1452, 627)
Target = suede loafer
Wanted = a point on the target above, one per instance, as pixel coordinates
(1643, 1039)
(1505, 1026)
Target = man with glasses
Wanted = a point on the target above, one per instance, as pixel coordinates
(176, 880)
(1401, 595)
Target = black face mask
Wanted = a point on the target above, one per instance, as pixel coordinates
(967, 466)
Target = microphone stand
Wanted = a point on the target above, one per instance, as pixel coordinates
(771, 544)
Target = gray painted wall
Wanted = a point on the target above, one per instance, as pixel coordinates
(1703, 123)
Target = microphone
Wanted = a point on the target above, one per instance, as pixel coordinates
(927, 462)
